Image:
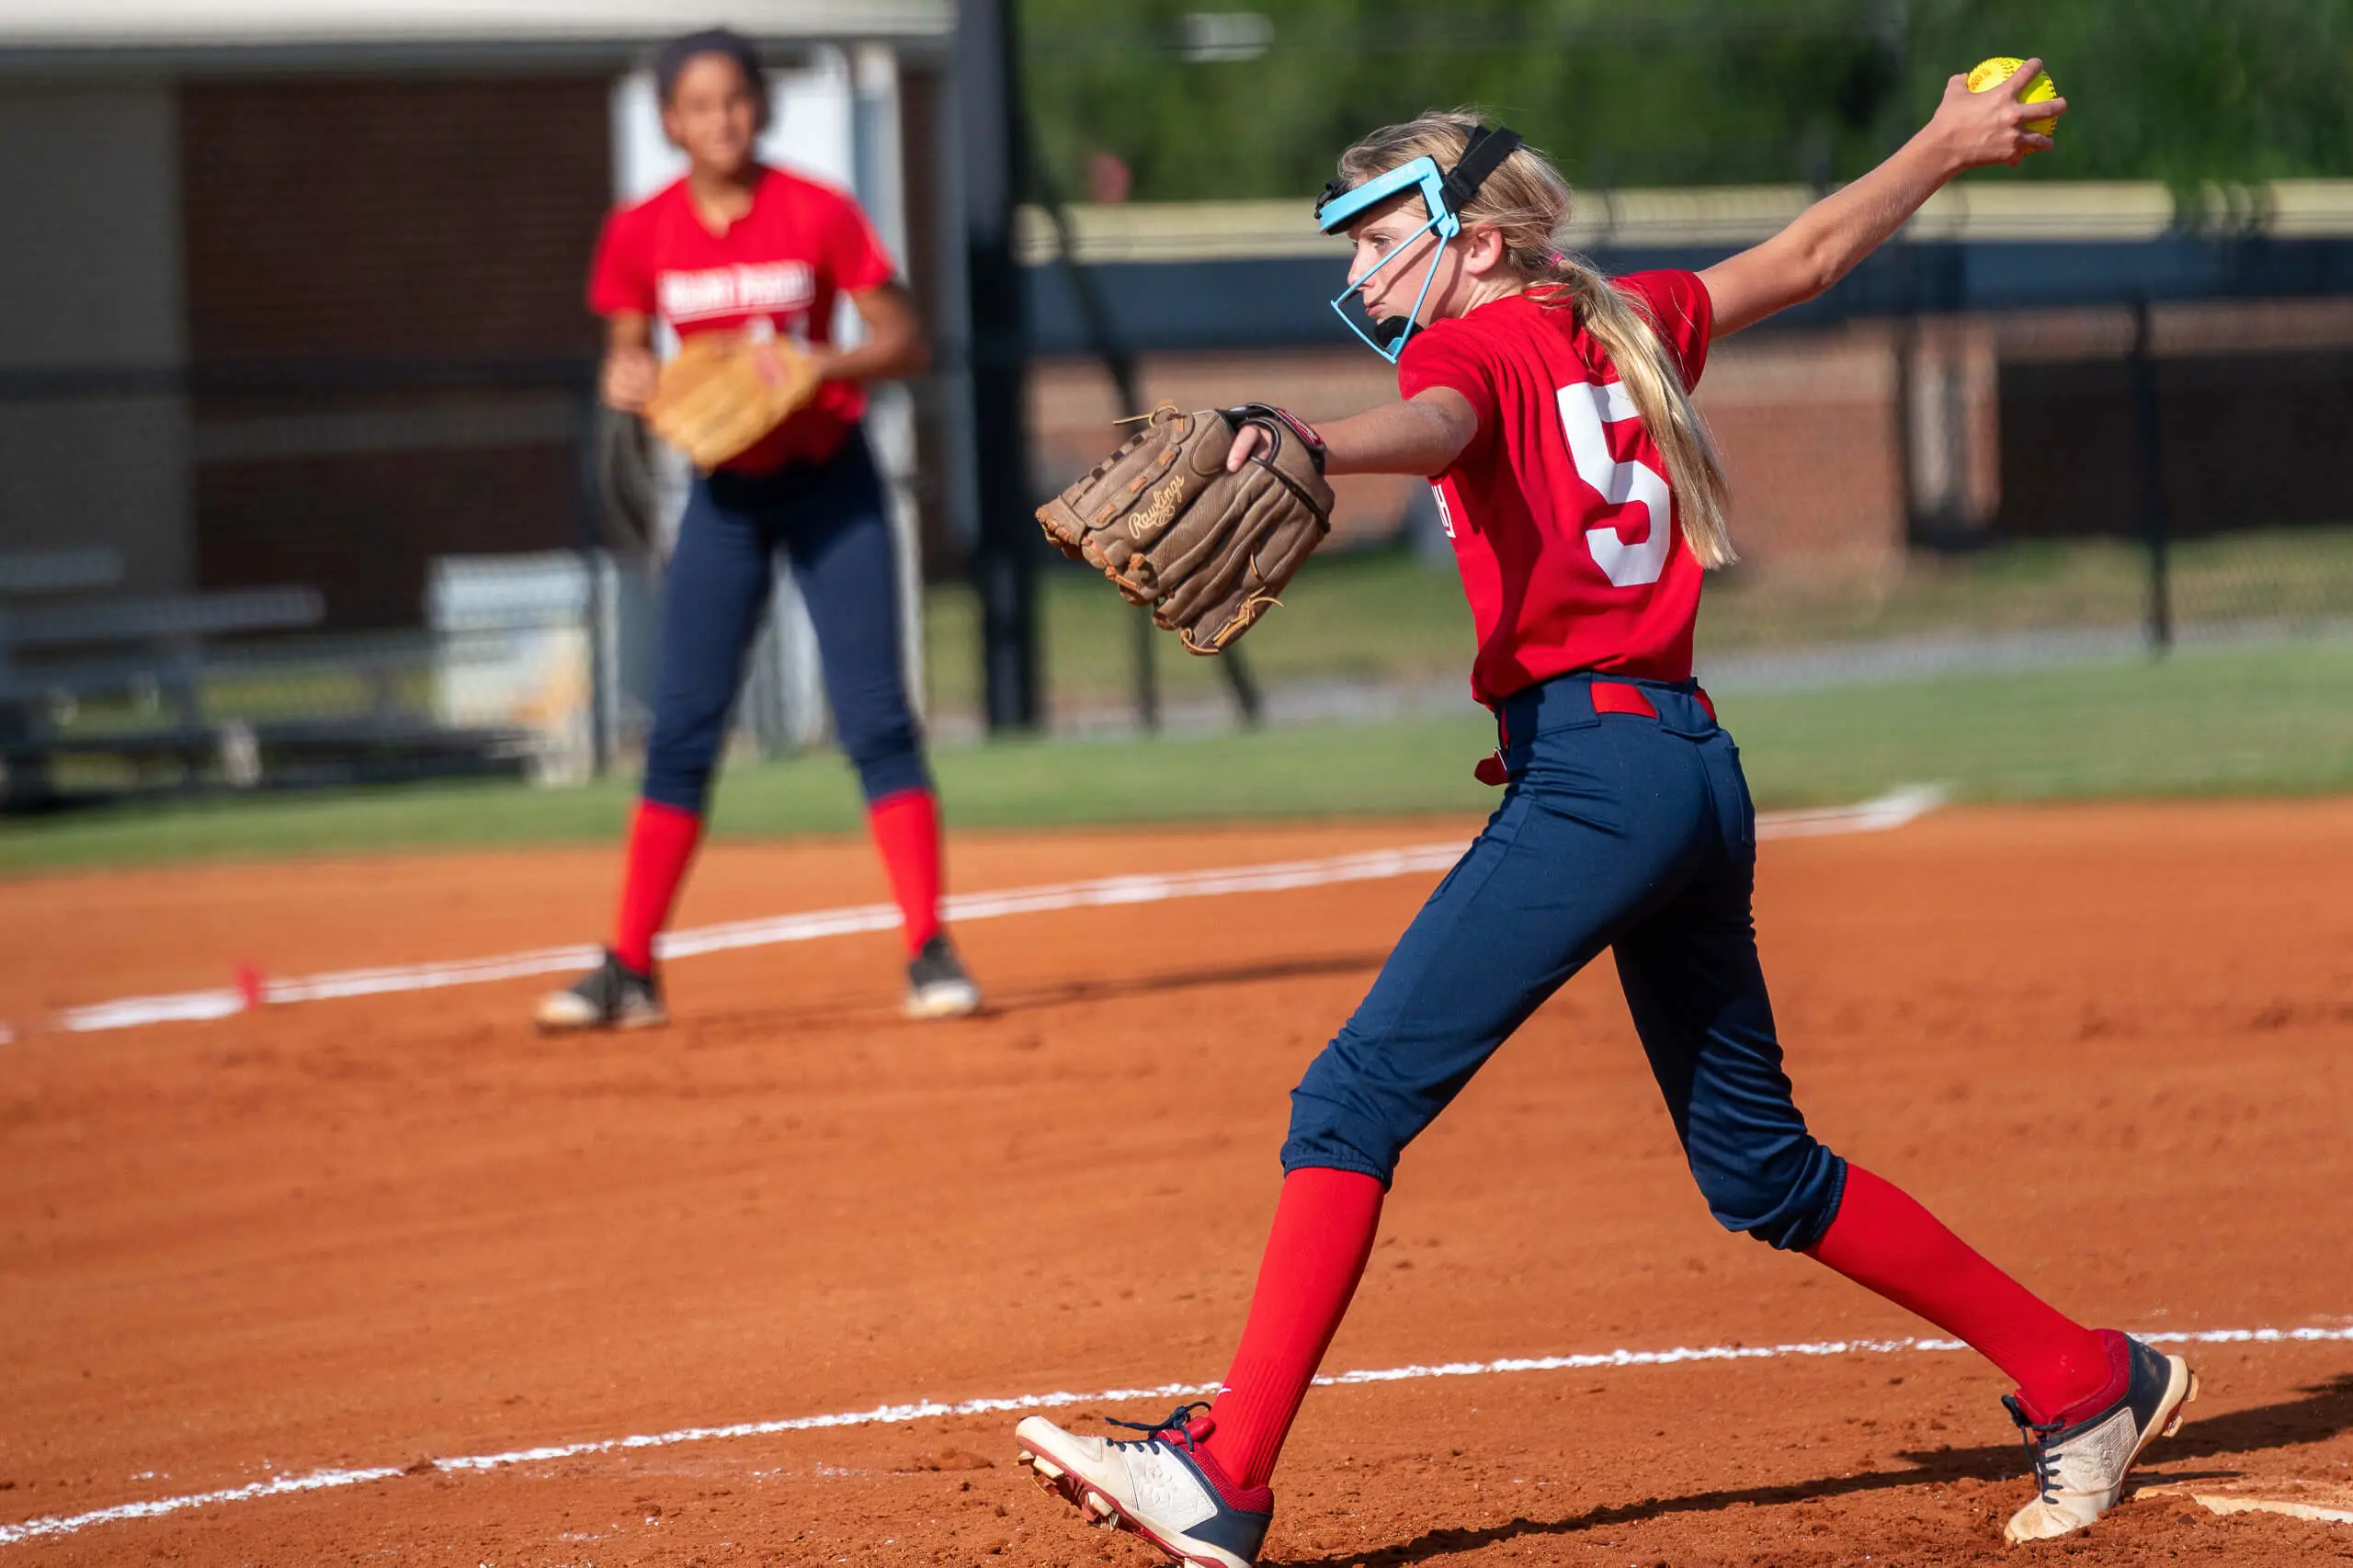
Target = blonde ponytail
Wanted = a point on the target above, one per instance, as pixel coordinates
(1693, 472)
(1527, 202)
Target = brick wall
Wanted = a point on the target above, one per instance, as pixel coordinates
(396, 217)
(1807, 426)
(1071, 407)
(372, 239)
(1808, 431)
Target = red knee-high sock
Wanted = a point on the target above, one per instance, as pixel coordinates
(906, 830)
(661, 841)
(1323, 1230)
(1885, 1241)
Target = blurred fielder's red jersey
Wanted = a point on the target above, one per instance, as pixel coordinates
(779, 267)
(1558, 508)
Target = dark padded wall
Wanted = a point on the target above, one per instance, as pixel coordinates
(2248, 441)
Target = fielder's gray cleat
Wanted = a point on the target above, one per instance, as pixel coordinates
(2082, 1456)
(610, 996)
(937, 986)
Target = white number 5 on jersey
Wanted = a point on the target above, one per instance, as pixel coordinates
(1585, 409)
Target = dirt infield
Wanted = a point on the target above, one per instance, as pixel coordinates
(2114, 1046)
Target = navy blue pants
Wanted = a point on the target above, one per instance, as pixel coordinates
(1616, 830)
(828, 520)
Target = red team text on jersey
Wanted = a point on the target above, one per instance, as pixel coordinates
(1559, 509)
(780, 266)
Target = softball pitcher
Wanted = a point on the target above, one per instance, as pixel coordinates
(738, 248)
(1551, 408)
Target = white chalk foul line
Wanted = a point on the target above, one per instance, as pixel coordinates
(130, 1012)
(932, 1409)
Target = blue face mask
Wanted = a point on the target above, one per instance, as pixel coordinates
(1443, 196)
(1335, 213)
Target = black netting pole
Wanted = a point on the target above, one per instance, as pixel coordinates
(2149, 444)
(1005, 557)
(1120, 366)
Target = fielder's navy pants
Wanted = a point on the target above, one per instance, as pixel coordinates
(1616, 830)
(828, 520)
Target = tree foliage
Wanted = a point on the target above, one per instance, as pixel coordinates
(1683, 91)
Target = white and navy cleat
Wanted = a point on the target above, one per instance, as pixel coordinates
(937, 986)
(610, 996)
(1159, 1487)
(2081, 1456)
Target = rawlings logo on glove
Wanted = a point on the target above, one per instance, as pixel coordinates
(1206, 551)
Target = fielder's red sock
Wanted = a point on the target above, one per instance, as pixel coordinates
(1885, 1241)
(906, 830)
(661, 841)
(1323, 1230)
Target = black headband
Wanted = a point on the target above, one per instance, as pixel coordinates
(1481, 157)
(1483, 154)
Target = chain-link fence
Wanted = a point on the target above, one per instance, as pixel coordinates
(1911, 497)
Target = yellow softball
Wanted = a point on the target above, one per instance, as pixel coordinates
(2001, 68)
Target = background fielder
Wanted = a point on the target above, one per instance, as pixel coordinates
(735, 246)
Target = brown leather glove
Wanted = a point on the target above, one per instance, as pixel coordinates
(722, 392)
(1206, 550)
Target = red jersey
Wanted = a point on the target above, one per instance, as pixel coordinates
(1571, 554)
(777, 268)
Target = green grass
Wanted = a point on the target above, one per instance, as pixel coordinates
(1370, 616)
(2271, 718)
(2275, 718)
(2265, 574)
(1374, 615)
(1370, 770)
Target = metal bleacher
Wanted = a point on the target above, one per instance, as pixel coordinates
(125, 684)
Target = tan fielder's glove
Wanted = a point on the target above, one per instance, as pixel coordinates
(1206, 550)
(722, 392)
